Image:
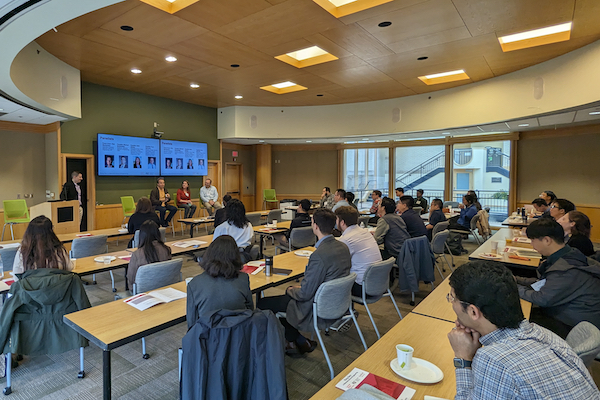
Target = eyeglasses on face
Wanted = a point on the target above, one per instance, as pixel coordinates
(451, 299)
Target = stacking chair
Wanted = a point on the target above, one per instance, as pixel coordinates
(332, 300)
(299, 238)
(128, 204)
(364, 220)
(584, 338)
(442, 226)
(269, 196)
(274, 214)
(7, 256)
(438, 243)
(418, 210)
(15, 212)
(136, 236)
(153, 276)
(376, 284)
(91, 246)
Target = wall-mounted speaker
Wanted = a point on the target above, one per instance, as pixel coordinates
(396, 115)
(538, 88)
(253, 122)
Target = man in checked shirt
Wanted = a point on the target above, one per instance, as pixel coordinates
(501, 355)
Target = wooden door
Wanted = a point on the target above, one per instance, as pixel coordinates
(213, 172)
(233, 180)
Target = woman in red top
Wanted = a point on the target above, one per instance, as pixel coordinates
(184, 199)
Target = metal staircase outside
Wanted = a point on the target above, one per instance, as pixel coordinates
(422, 172)
(497, 162)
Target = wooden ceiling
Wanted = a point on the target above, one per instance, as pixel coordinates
(374, 63)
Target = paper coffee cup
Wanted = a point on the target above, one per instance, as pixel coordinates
(405, 354)
(494, 247)
(274, 222)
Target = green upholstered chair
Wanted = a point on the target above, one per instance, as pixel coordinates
(269, 196)
(15, 212)
(128, 204)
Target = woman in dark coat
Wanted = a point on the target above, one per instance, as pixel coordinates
(143, 212)
(577, 231)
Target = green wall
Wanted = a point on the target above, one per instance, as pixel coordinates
(116, 111)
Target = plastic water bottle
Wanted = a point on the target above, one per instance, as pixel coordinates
(362, 225)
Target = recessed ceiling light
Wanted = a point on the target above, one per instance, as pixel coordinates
(171, 1)
(340, 8)
(523, 124)
(171, 59)
(194, 85)
(595, 113)
(136, 70)
(283, 87)
(238, 97)
(536, 37)
(384, 24)
(444, 77)
(127, 28)
(306, 57)
(309, 141)
(422, 58)
(235, 65)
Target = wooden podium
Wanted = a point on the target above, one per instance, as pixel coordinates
(63, 214)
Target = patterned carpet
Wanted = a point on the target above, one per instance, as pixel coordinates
(55, 377)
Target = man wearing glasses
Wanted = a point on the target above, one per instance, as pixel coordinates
(501, 355)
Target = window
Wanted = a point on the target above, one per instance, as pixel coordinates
(420, 167)
(481, 167)
(366, 170)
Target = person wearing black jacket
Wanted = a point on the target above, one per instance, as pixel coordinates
(302, 220)
(143, 212)
(160, 198)
(221, 213)
(414, 223)
(72, 191)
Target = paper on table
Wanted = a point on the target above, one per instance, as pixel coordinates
(433, 398)
(126, 258)
(188, 243)
(143, 301)
(169, 294)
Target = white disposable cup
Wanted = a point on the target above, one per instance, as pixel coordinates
(274, 222)
(405, 355)
(107, 260)
(494, 247)
(450, 209)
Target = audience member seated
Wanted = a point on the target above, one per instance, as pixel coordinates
(568, 289)
(40, 248)
(399, 192)
(340, 199)
(376, 196)
(421, 201)
(501, 355)
(363, 247)
(301, 220)
(350, 199)
(236, 225)
(222, 285)
(541, 207)
(160, 198)
(390, 232)
(468, 210)
(414, 223)
(221, 213)
(577, 231)
(435, 215)
(151, 249)
(560, 207)
(475, 200)
(209, 197)
(143, 212)
(326, 199)
(548, 196)
(329, 261)
(184, 200)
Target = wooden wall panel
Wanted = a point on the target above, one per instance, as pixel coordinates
(263, 173)
(249, 202)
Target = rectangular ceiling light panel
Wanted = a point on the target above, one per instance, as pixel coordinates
(307, 57)
(170, 6)
(444, 77)
(283, 87)
(341, 8)
(536, 37)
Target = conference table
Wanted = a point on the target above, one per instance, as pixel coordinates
(517, 220)
(69, 237)
(115, 324)
(193, 222)
(264, 230)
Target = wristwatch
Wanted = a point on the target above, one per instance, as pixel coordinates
(460, 363)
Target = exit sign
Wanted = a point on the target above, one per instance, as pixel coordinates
(234, 154)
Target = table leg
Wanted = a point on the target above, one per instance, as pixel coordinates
(106, 378)
(192, 226)
(260, 250)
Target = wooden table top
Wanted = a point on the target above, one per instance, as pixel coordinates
(515, 220)
(282, 226)
(436, 305)
(204, 220)
(504, 236)
(113, 324)
(69, 237)
(426, 335)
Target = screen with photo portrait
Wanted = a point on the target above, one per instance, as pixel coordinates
(183, 158)
(127, 156)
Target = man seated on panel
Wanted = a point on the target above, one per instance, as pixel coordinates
(301, 220)
(560, 207)
(160, 198)
(421, 201)
(390, 232)
(363, 247)
(567, 290)
(209, 196)
(340, 199)
(541, 208)
(414, 223)
(436, 215)
(326, 198)
(501, 355)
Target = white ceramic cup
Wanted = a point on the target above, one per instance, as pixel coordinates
(107, 260)
(405, 355)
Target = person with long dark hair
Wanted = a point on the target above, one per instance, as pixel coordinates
(222, 285)
(41, 248)
(236, 225)
(184, 199)
(143, 212)
(151, 249)
(577, 228)
(475, 200)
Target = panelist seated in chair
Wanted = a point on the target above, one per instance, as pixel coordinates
(468, 210)
(222, 285)
(209, 197)
(160, 198)
(40, 239)
(151, 249)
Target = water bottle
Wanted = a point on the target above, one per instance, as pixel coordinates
(523, 214)
(269, 266)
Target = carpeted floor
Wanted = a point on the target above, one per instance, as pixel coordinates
(55, 377)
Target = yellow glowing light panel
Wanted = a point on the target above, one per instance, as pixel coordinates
(341, 8)
(170, 6)
(444, 77)
(537, 37)
(307, 57)
(283, 88)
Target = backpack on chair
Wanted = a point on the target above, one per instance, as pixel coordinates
(454, 242)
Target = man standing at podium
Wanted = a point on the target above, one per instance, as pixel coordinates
(72, 191)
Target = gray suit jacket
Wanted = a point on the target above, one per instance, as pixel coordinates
(330, 261)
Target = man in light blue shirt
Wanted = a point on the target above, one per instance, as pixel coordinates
(340, 199)
(209, 196)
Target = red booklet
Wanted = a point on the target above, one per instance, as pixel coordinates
(357, 377)
(250, 269)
